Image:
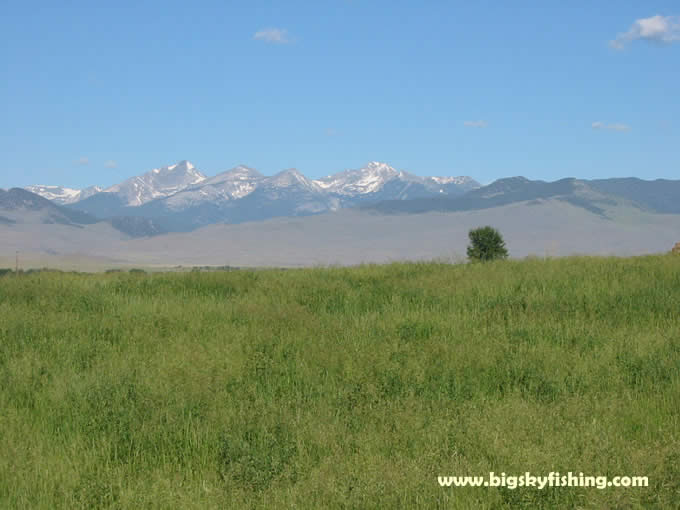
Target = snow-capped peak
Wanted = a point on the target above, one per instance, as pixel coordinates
(158, 183)
(368, 179)
(181, 167)
(373, 177)
(292, 177)
(377, 166)
(61, 194)
(239, 173)
(54, 192)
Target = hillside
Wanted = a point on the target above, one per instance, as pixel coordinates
(23, 212)
(595, 198)
(19, 205)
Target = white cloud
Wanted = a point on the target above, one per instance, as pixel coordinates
(660, 29)
(110, 164)
(272, 35)
(83, 161)
(611, 127)
(476, 123)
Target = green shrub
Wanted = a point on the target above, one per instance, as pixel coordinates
(486, 243)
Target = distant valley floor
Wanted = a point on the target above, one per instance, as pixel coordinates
(547, 228)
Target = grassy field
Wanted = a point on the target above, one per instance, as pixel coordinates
(341, 388)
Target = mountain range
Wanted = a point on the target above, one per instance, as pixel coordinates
(181, 198)
(177, 215)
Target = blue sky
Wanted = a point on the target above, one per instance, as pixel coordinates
(93, 95)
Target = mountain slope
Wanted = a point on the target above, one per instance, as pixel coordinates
(230, 185)
(288, 193)
(661, 195)
(18, 202)
(61, 195)
(21, 207)
(379, 181)
(156, 184)
(368, 179)
(135, 191)
(581, 193)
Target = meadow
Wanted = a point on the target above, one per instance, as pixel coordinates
(341, 387)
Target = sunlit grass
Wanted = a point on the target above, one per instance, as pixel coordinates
(340, 388)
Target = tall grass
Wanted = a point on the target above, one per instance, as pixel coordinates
(341, 388)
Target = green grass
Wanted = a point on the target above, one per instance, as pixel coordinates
(341, 388)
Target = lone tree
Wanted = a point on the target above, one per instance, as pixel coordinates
(486, 243)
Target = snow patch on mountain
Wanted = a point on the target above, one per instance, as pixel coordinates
(460, 181)
(62, 195)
